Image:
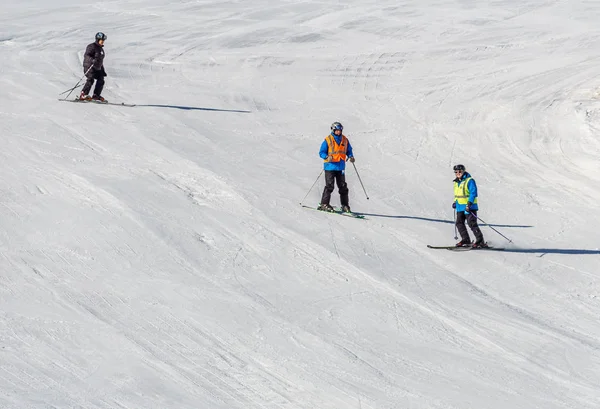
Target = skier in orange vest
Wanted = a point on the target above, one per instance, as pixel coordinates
(335, 151)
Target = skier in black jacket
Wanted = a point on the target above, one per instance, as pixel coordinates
(93, 67)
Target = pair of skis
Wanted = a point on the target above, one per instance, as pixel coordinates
(91, 101)
(464, 248)
(337, 210)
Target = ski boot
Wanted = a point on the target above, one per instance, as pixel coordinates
(84, 97)
(480, 245)
(326, 207)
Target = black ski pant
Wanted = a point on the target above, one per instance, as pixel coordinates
(471, 220)
(97, 75)
(337, 177)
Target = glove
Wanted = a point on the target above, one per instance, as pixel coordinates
(454, 205)
(329, 158)
(468, 208)
(104, 73)
(352, 159)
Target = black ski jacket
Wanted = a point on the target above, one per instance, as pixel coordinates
(94, 56)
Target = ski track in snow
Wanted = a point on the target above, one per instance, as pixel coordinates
(157, 257)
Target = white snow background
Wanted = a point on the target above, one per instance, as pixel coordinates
(157, 256)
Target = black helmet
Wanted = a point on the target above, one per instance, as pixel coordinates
(100, 36)
(459, 167)
(336, 125)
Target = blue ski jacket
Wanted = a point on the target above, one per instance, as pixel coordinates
(323, 153)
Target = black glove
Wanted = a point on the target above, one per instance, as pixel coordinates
(104, 73)
(454, 205)
(468, 208)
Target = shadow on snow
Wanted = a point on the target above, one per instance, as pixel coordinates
(427, 219)
(552, 251)
(186, 108)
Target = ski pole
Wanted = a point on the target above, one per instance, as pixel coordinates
(483, 221)
(313, 185)
(76, 85)
(361, 183)
(455, 228)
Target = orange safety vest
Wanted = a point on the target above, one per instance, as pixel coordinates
(337, 151)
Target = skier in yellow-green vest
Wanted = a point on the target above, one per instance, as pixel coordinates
(465, 203)
(335, 151)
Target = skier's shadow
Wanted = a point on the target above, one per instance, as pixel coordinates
(552, 251)
(187, 108)
(427, 219)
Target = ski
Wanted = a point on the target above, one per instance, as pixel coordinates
(121, 104)
(444, 247)
(338, 211)
(465, 248)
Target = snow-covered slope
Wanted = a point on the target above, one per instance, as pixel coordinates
(157, 257)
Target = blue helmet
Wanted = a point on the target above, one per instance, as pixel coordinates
(100, 36)
(336, 125)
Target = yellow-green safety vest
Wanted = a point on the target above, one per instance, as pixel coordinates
(461, 192)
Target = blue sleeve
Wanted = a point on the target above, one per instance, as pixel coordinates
(324, 150)
(472, 190)
(349, 151)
